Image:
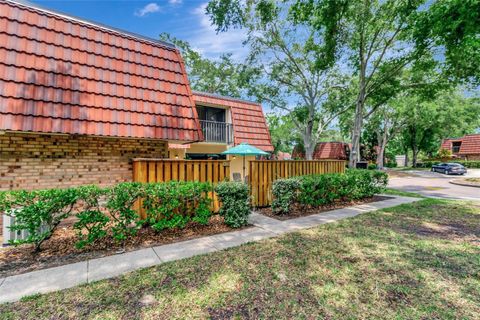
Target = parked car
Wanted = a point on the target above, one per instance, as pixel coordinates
(449, 168)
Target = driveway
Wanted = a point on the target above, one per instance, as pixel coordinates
(433, 184)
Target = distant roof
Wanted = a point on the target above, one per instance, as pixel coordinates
(63, 74)
(325, 150)
(470, 144)
(249, 124)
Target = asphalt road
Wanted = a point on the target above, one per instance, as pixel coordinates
(433, 184)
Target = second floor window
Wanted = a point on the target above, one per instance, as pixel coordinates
(456, 146)
(211, 114)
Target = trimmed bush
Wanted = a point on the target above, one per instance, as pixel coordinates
(173, 204)
(466, 164)
(319, 190)
(235, 203)
(284, 193)
(38, 212)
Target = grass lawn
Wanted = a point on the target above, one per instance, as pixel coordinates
(395, 192)
(417, 261)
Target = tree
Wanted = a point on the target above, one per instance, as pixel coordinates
(291, 78)
(454, 27)
(389, 123)
(377, 38)
(220, 76)
(449, 115)
(283, 132)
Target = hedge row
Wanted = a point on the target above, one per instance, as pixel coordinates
(465, 163)
(318, 190)
(102, 212)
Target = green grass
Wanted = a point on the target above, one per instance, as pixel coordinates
(395, 192)
(417, 261)
(474, 180)
(409, 169)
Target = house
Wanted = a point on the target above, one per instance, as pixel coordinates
(225, 122)
(332, 150)
(466, 147)
(79, 100)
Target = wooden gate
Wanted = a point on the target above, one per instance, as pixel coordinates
(162, 170)
(264, 172)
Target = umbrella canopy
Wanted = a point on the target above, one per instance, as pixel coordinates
(244, 149)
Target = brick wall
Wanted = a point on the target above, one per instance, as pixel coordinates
(38, 161)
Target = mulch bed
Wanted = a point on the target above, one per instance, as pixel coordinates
(60, 248)
(298, 211)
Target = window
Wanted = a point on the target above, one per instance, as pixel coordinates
(211, 114)
(456, 146)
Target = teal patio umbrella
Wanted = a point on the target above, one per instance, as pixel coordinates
(244, 149)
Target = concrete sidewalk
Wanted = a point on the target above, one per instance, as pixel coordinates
(15, 287)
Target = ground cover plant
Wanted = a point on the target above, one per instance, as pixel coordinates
(415, 261)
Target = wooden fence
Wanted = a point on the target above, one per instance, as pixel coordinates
(162, 170)
(263, 172)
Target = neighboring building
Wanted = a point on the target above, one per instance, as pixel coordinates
(467, 147)
(80, 100)
(332, 150)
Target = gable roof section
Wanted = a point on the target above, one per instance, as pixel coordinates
(470, 144)
(65, 75)
(325, 150)
(249, 124)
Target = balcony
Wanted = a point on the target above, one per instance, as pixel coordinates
(218, 132)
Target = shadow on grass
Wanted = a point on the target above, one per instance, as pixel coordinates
(400, 262)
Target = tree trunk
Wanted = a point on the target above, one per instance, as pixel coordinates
(357, 125)
(381, 156)
(308, 142)
(357, 130)
(406, 156)
(414, 155)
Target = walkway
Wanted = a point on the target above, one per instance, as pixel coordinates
(14, 287)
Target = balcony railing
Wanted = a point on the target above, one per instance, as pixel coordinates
(220, 132)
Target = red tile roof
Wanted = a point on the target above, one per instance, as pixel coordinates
(325, 150)
(470, 144)
(249, 124)
(65, 75)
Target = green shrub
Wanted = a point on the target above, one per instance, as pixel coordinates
(92, 221)
(372, 166)
(235, 203)
(38, 212)
(391, 164)
(173, 204)
(354, 184)
(119, 203)
(284, 193)
(467, 164)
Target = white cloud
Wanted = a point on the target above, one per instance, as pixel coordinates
(175, 2)
(206, 40)
(149, 8)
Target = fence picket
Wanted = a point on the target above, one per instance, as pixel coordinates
(264, 172)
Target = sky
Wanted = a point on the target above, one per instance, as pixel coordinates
(184, 19)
